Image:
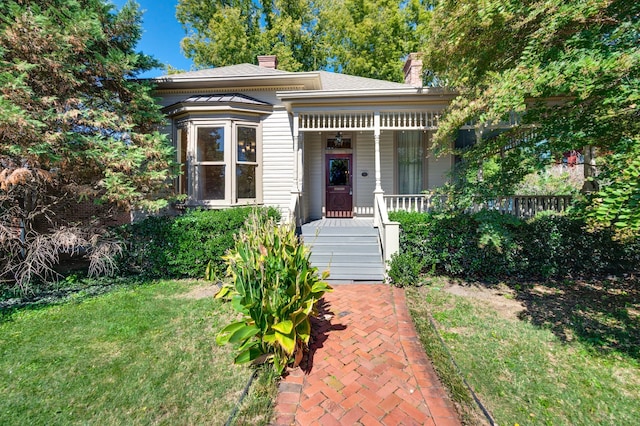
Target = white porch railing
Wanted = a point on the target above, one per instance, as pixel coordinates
(522, 206)
(389, 231)
(412, 202)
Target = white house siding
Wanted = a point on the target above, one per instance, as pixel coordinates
(364, 185)
(387, 162)
(438, 169)
(277, 160)
(313, 175)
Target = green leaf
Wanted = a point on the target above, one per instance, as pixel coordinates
(321, 286)
(238, 306)
(286, 341)
(249, 343)
(225, 334)
(304, 330)
(224, 291)
(248, 355)
(283, 327)
(269, 338)
(244, 333)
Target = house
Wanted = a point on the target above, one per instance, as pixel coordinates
(249, 134)
(313, 144)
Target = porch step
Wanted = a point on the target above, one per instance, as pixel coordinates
(349, 253)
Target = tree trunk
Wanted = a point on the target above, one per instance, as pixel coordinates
(590, 170)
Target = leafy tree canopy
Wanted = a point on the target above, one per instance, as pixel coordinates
(581, 57)
(369, 38)
(74, 125)
(231, 32)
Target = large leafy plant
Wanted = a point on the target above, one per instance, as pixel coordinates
(275, 288)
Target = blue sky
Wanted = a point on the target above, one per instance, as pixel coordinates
(161, 34)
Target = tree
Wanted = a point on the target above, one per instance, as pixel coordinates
(74, 126)
(368, 38)
(232, 32)
(371, 38)
(570, 70)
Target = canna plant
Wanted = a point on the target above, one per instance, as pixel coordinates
(275, 288)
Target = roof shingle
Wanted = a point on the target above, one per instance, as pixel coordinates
(328, 80)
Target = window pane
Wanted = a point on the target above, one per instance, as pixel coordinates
(338, 172)
(211, 182)
(210, 144)
(184, 177)
(247, 144)
(246, 184)
(410, 157)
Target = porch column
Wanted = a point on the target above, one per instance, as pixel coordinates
(376, 140)
(300, 162)
(297, 155)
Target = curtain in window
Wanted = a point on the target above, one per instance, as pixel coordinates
(410, 156)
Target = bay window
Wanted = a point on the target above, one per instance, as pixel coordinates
(224, 167)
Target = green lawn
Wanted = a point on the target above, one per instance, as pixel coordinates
(563, 360)
(140, 354)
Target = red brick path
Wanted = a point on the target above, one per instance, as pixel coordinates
(365, 367)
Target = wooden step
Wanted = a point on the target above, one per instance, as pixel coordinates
(350, 254)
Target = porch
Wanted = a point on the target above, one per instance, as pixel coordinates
(385, 161)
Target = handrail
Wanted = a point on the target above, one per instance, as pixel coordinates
(388, 230)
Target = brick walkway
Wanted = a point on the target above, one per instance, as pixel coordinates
(365, 367)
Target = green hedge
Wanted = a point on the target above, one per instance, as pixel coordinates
(182, 246)
(488, 245)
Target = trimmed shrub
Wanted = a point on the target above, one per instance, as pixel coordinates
(405, 269)
(560, 246)
(183, 246)
(488, 245)
(477, 245)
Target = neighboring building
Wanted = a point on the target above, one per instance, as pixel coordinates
(314, 144)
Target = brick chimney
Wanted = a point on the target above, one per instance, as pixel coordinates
(268, 61)
(413, 70)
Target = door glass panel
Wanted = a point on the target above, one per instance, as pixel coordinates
(210, 144)
(246, 180)
(338, 172)
(247, 144)
(211, 182)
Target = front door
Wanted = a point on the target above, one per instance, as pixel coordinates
(339, 190)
